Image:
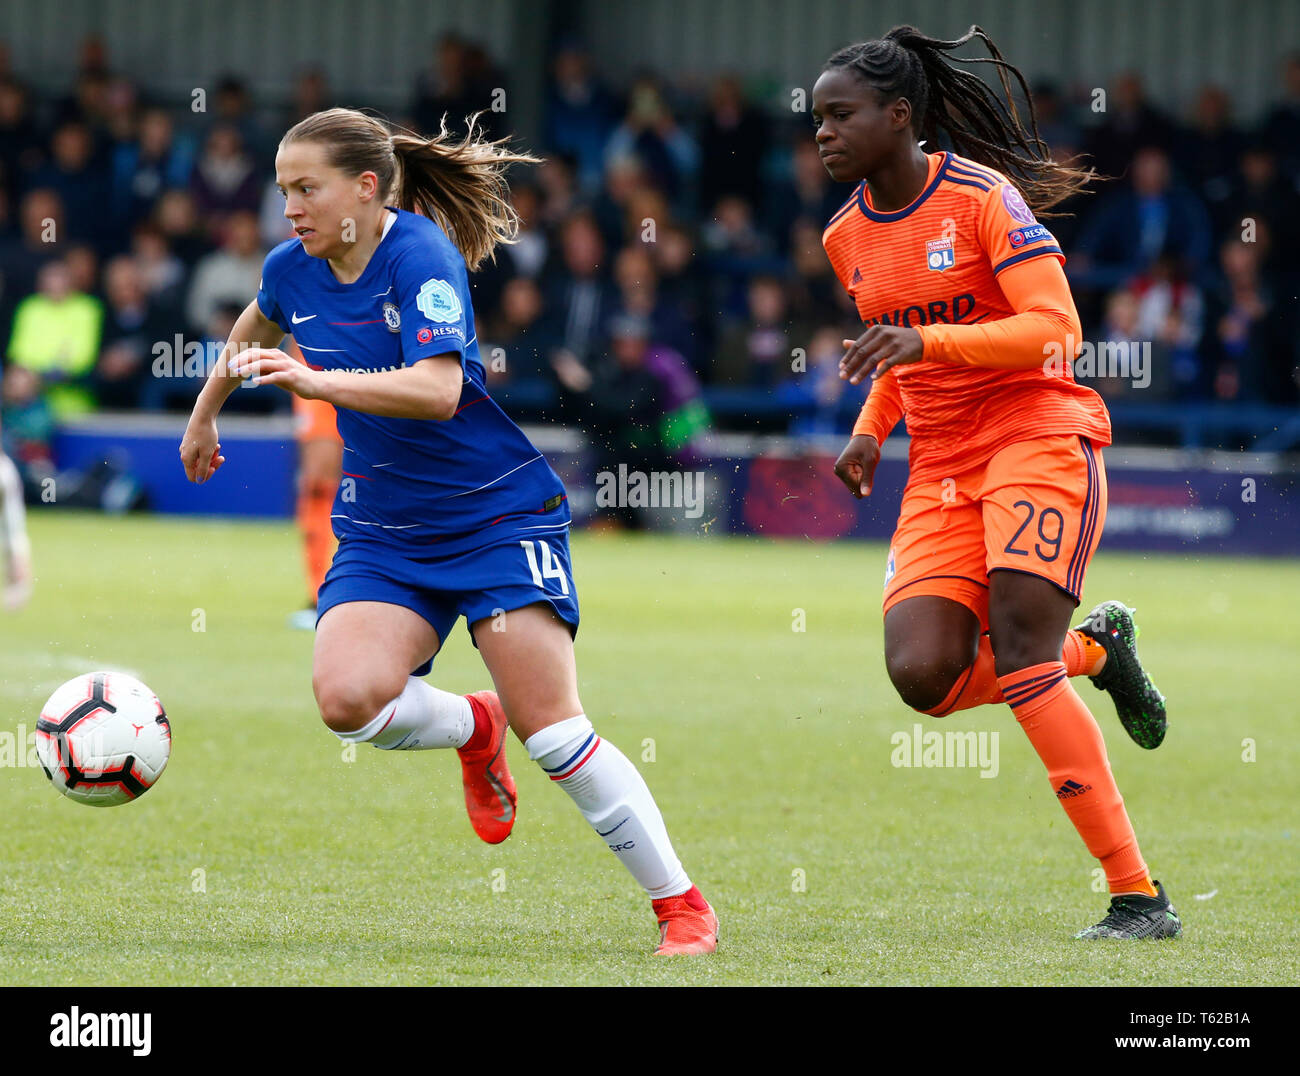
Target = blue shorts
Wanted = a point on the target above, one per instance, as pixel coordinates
(508, 571)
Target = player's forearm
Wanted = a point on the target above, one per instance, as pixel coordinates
(250, 330)
(882, 410)
(1021, 342)
(409, 392)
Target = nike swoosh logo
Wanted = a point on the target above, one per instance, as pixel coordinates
(609, 831)
(297, 320)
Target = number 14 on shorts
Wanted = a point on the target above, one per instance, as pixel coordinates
(550, 565)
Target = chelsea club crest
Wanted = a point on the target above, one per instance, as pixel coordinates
(392, 318)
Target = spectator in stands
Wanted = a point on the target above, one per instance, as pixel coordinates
(1252, 344)
(122, 118)
(80, 182)
(1130, 123)
(520, 332)
(820, 401)
(311, 93)
(637, 281)
(1137, 223)
(55, 341)
(734, 140)
(1055, 125)
(814, 290)
(225, 178)
(1171, 314)
(1281, 126)
(651, 133)
(21, 148)
(82, 261)
(178, 222)
(731, 232)
(613, 206)
(163, 273)
(175, 377)
(41, 224)
(87, 104)
(646, 411)
(558, 183)
(803, 190)
(27, 425)
(1115, 363)
(460, 82)
(1208, 150)
(580, 301)
(528, 254)
(232, 106)
(133, 325)
(580, 114)
(683, 286)
(154, 161)
(758, 352)
(230, 274)
(1264, 204)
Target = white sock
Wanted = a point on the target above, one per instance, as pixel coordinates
(419, 719)
(613, 797)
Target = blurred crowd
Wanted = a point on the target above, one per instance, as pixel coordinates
(669, 274)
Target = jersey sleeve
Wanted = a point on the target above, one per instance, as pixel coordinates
(1009, 232)
(434, 303)
(266, 290)
(883, 409)
(1044, 327)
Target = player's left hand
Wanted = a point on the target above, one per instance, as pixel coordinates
(271, 366)
(879, 348)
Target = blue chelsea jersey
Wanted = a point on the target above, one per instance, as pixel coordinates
(410, 481)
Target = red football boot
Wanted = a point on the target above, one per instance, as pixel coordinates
(687, 925)
(489, 788)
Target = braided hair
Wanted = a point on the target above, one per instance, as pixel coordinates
(979, 123)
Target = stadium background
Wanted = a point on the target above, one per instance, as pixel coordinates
(687, 116)
(744, 677)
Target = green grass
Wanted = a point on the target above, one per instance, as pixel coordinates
(771, 757)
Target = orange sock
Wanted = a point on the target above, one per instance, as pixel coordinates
(314, 507)
(979, 684)
(1068, 740)
(1082, 654)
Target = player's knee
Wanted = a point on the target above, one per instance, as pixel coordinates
(1022, 651)
(924, 680)
(347, 704)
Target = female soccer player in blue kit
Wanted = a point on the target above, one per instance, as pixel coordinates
(445, 509)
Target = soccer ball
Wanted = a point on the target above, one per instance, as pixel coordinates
(103, 739)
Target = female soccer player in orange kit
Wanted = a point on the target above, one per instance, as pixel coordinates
(971, 326)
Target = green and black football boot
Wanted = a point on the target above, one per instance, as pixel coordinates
(1139, 704)
(1133, 915)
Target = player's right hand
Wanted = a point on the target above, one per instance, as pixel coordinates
(856, 467)
(200, 450)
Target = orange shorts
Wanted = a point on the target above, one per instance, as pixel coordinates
(314, 420)
(1037, 507)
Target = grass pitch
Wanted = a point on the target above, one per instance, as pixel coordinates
(263, 856)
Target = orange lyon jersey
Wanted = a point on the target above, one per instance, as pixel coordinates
(968, 266)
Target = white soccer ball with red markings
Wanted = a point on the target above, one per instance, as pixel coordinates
(103, 739)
